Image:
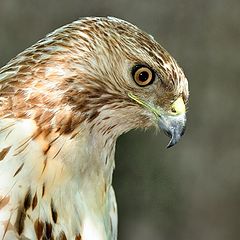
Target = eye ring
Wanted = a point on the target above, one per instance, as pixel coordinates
(143, 75)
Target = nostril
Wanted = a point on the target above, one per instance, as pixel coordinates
(173, 110)
(178, 107)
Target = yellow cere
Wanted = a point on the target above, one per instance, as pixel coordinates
(178, 107)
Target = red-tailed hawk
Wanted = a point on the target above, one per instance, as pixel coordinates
(63, 103)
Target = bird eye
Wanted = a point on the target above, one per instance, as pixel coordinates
(143, 75)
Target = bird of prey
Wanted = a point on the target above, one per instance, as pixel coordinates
(63, 103)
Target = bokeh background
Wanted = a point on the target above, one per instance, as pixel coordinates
(191, 191)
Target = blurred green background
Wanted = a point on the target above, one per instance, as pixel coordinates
(191, 191)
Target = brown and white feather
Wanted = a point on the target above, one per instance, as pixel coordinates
(63, 103)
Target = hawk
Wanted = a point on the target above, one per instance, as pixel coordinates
(63, 103)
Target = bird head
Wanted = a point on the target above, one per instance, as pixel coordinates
(103, 72)
(132, 81)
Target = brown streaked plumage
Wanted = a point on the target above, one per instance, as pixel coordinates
(4, 152)
(63, 103)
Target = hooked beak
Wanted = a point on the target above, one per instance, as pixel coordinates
(173, 124)
(173, 127)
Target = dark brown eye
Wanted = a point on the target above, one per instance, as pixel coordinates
(143, 75)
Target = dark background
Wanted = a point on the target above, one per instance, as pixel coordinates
(191, 191)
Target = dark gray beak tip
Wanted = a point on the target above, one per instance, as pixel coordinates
(175, 137)
(170, 144)
(174, 128)
(174, 140)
